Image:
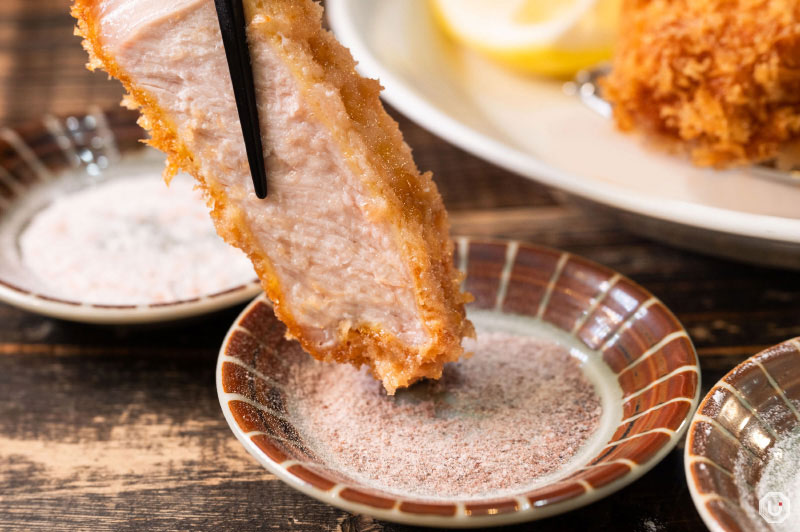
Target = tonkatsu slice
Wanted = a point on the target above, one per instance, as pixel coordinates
(351, 244)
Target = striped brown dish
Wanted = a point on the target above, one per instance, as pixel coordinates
(53, 156)
(653, 367)
(738, 422)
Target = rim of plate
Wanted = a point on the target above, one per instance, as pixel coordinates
(525, 510)
(406, 99)
(125, 314)
(63, 139)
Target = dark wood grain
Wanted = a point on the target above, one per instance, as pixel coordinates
(119, 428)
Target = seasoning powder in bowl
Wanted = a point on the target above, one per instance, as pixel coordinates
(516, 413)
(128, 241)
(778, 489)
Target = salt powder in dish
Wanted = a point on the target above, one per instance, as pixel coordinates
(781, 474)
(516, 411)
(130, 240)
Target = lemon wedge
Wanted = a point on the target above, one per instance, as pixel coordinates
(549, 37)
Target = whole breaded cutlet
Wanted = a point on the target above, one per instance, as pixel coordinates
(718, 78)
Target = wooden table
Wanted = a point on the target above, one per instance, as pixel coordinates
(109, 428)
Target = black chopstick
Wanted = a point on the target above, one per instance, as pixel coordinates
(234, 37)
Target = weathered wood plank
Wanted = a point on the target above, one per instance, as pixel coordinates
(104, 442)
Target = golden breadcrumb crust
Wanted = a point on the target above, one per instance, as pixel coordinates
(720, 77)
(414, 205)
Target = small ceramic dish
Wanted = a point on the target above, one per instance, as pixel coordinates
(732, 437)
(638, 356)
(46, 159)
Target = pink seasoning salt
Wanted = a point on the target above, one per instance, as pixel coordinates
(519, 409)
(130, 241)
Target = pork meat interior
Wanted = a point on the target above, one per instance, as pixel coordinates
(352, 242)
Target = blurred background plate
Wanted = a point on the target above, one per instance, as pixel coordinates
(45, 159)
(530, 126)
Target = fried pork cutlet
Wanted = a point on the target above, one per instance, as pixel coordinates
(720, 77)
(352, 242)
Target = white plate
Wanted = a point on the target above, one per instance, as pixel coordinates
(531, 127)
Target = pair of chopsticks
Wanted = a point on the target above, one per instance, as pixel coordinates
(230, 14)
